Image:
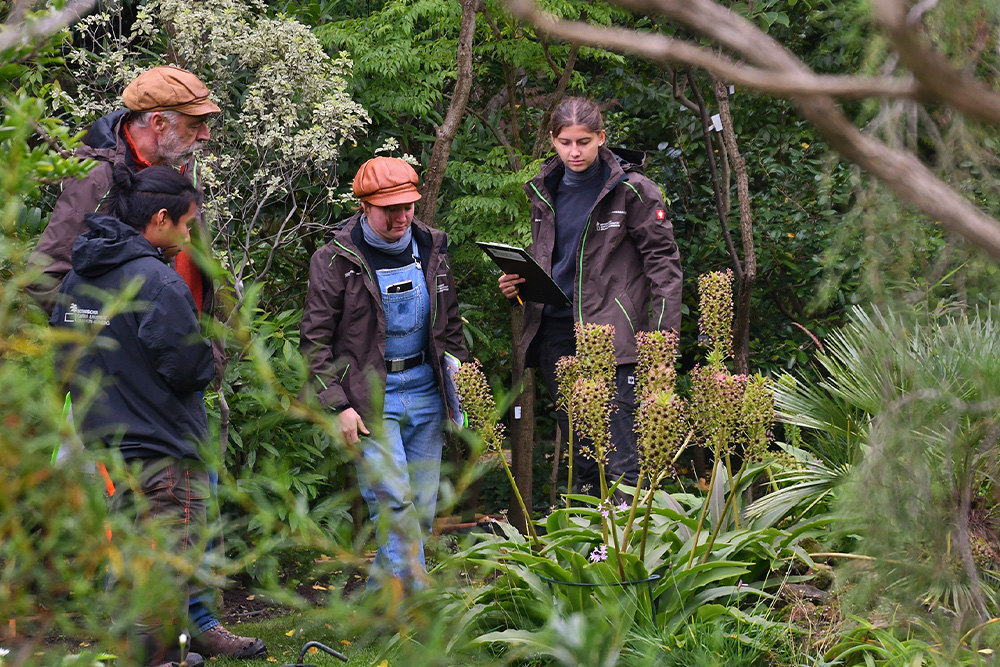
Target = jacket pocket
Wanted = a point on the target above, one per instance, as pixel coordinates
(627, 310)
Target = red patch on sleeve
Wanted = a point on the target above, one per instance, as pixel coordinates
(660, 215)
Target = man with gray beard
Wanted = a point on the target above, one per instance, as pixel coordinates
(165, 122)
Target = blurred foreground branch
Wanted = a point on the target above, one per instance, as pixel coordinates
(761, 63)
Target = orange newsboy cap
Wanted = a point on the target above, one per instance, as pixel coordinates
(168, 89)
(386, 181)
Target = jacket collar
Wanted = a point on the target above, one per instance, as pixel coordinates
(618, 163)
(349, 237)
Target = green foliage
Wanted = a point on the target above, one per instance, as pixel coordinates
(406, 46)
(929, 456)
(868, 644)
(720, 637)
(901, 423)
(291, 493)
(519, 594)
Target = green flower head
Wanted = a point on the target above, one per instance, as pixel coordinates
(715, 325)
(757, 415)
(595, 350)
(654, 369)
(593, 413)
(716, 404)
(661, 423)
(478, 402)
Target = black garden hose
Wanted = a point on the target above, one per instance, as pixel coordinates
(322, 647)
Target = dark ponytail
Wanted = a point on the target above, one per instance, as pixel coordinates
(140, 195)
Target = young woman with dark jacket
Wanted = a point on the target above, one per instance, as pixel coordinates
(600, 228)
(151, 362)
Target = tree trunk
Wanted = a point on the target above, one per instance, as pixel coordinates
(453, 119)
(741, 325)
(522, 441)
(542, 138)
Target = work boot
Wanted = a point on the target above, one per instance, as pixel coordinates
(219, 641)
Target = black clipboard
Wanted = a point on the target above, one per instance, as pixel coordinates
(538, 286)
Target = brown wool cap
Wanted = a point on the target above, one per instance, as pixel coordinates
(386, 181)
(168, 89)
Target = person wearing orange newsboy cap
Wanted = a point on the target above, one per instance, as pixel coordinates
(164, 122)
(382, 334)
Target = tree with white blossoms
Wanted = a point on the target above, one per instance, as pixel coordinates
(271, 167)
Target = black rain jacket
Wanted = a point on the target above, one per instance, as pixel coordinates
(148, 354)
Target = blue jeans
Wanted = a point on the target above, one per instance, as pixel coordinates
(398, 472)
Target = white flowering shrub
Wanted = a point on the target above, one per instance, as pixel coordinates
(270, 171)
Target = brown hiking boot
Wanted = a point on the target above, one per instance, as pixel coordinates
(219, 641)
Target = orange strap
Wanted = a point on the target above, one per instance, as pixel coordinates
(108, 484)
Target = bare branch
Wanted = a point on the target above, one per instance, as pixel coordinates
(16, 35)
(741, 324)
(935, 73)
(542, 138)
(277, 240)
(548, 58)
(663, 49)
(446, 132)
(721, 206)
(679, 92)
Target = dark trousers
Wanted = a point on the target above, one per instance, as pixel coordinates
(555, 342)
(168, 499)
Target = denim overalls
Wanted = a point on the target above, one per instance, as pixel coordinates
(401, 461)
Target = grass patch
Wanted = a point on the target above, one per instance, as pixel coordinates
(286, 635)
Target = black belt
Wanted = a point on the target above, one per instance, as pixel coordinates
(396, 365)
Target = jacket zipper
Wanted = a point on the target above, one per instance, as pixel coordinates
(542, 197)
(432, 270)
(583, 242)
(579, 271)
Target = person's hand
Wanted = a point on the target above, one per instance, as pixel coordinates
(351, 426)
(509, 283)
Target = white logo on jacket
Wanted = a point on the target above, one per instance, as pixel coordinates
(610, 224)
(442, 285)
(77, 314)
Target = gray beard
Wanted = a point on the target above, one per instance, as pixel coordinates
(173, 155)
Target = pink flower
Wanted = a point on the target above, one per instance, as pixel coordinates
(623, 506)
(599, 553)
(604, 507)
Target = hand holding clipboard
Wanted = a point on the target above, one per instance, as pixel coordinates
(524, 278)
(508, 286)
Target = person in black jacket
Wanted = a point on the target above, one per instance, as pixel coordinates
(165, 122)
(150, 359)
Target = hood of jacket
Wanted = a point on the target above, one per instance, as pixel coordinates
(109, 244)
(103, 133)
